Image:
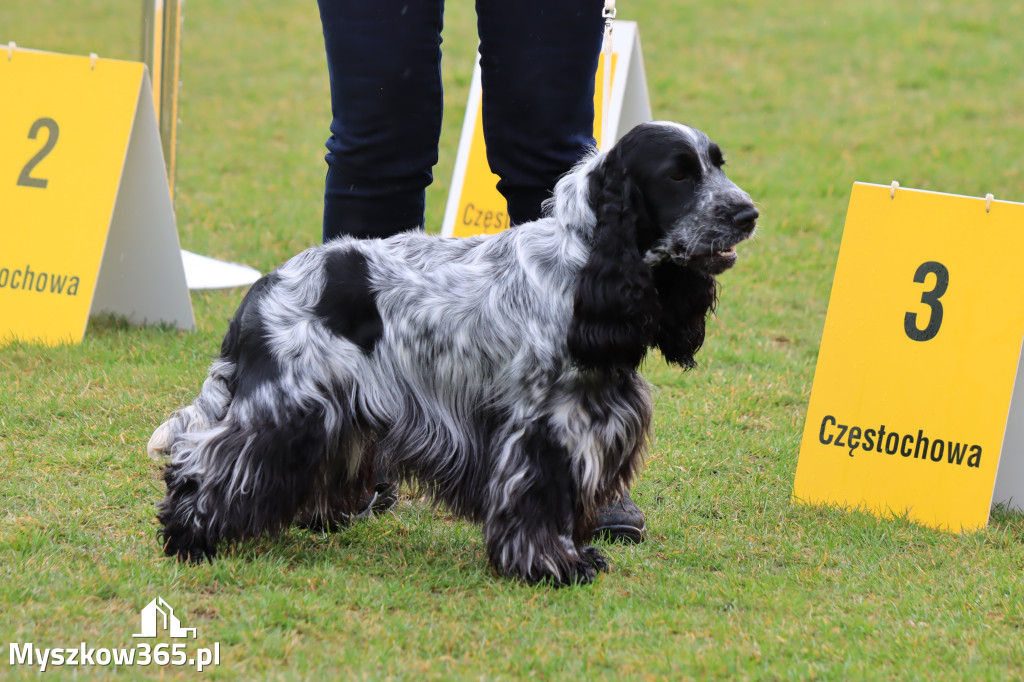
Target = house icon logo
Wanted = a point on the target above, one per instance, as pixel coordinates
(157, 613)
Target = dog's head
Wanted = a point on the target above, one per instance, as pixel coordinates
(695, 214)
(667, 221)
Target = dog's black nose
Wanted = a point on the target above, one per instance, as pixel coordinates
(745, 218)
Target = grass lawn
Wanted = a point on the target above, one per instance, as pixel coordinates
(734, 581)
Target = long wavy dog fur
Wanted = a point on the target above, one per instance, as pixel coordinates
(497, 372)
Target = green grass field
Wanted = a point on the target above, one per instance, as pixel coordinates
(734, 581)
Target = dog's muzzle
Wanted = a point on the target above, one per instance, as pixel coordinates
(716, 257)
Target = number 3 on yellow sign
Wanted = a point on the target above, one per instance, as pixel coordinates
(931, 299)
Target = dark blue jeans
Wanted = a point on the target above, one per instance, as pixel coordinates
(538, 60)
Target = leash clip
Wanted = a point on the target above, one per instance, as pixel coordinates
(609, 16)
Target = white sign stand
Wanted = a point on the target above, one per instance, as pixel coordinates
(203, 272)
(1009, 486)
(630, 103)
(137, 278)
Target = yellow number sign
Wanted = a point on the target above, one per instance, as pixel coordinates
(918, 358)
(474, 204)
(86, 222)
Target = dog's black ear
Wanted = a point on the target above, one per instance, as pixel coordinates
(686, 296)
(615, 306)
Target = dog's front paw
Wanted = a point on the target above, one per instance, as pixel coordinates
(594, 557)
(584, 571)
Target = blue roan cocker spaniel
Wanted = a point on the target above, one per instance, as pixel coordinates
(498, 372)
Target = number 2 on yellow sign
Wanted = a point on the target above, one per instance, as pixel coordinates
(25, 179)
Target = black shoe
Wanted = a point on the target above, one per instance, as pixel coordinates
(621, 521)
(383, 498)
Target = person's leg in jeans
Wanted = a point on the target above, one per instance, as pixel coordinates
(384, 65)
(538, 61)
(383, 59)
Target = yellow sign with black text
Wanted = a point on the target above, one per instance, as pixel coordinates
(918, 358)
(86, 223)
(474, 204)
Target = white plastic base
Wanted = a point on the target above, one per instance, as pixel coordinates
(203, 272)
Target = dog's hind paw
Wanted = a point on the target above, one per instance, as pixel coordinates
(191, 552)
(194, 556)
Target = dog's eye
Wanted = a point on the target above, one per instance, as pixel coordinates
(685, 166)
